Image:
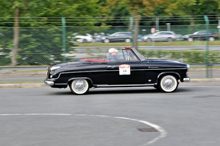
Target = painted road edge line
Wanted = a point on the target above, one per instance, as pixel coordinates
(163, 133)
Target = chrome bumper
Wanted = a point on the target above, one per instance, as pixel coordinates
(50, 83)
(186, 79)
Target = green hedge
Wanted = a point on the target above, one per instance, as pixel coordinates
(191, 56)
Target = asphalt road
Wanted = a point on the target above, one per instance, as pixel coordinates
(111, 117)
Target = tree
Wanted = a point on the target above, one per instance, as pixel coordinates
(192, 8)
(44, 8)
(136, 8)
(16, 9)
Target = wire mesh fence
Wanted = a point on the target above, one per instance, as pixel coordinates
(44, 45)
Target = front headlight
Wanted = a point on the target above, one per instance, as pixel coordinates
(187, 65)
(54, 68)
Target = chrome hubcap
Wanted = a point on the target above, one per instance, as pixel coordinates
(80, 85)
(168, 83)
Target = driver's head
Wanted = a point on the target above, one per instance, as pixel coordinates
(113, 51)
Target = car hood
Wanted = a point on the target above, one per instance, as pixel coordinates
(188, 35)
(147, 35)
(162, 63)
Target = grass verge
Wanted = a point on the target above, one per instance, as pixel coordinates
(174, 43)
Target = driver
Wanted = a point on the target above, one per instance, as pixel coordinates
(113, 54)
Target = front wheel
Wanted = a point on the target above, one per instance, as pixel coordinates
(79, 86)
(148, 40)
(168, 83)
(106, 41)
(190, 39)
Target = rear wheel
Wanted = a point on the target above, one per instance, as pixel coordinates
(168, 83)
(169, 40)
(79, 86)
(211, 38)
(85, 41)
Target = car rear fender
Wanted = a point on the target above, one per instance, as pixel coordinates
(86, 78)
(175, 74)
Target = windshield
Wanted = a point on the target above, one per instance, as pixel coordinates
(155, 34)
(195, 32)
(138, 54)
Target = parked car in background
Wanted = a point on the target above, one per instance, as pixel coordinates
(167, 36)
(98, 37)
(200, 35)
(86, 38)
(118, 37)
(179, 37)
(139, 39)
(120, 68)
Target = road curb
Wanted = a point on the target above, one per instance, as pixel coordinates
(37, 85)
(206, 80)
(41, 85)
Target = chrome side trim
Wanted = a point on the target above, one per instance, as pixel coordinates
(80, 78)
(124, 85)
(60, 83)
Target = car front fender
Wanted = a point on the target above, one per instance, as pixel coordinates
(85, 78)
(168, 73)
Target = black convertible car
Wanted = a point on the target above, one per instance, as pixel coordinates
(121, 68)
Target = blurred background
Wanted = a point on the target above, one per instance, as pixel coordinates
(43, 33)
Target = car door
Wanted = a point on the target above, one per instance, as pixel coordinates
(166, 36)
(116, 37)
(200, 35)
(163, 36)
(94, 69)
(127, 70)
(158, 36)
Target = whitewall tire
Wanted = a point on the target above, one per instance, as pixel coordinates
(79, 86)
(168, 83)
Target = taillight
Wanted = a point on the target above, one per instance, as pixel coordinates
(216, 34)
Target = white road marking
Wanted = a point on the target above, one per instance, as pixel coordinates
(163, 133)
(46, 114)
(10, 114)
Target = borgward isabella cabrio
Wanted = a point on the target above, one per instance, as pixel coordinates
(129, 70)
